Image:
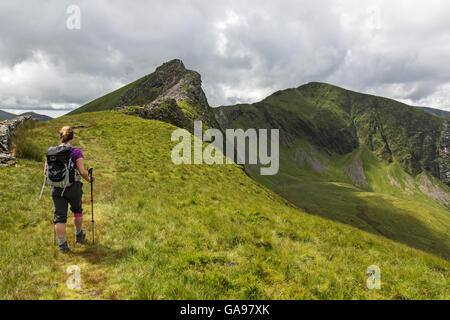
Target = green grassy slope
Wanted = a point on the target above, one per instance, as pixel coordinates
(336, 120)
(187, 232)
(107, 101)
(391, 204)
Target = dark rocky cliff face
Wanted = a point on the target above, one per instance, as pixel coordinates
(444, 152)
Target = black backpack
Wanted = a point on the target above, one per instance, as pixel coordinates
(60, 167)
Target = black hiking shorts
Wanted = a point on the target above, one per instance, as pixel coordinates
(72, 195)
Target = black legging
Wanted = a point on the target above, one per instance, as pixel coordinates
(72, 195)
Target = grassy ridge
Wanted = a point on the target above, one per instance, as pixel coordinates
(338, 120)
(197, 232)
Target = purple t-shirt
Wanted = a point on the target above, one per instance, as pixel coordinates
(76, 154)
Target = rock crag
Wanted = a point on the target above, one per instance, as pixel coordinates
(6, 130)
(173, 94)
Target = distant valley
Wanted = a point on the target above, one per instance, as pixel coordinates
(7, 115)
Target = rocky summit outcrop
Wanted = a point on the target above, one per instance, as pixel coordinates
(172, 93)
(6, 130)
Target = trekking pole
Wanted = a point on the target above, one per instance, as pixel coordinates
(54, 234)
(92, 202)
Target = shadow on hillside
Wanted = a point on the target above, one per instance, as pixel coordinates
(100, 254)
(375, 213)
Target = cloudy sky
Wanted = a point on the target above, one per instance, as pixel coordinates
(244, 50)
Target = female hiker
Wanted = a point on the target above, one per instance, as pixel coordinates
(71, 194)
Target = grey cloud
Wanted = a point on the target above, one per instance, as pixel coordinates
(243, 49)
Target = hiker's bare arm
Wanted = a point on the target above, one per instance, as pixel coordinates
(83, 172)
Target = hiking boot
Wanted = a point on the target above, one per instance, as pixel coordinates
(81, 236)
(64, 248)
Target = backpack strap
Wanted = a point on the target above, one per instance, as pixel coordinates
(65, 186)
(76, 175)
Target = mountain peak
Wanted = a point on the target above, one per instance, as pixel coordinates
(171, 93)
(337, 120)
(171, 65)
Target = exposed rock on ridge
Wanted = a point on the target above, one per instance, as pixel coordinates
(6, 130)
(355, 171)
(172, 94)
